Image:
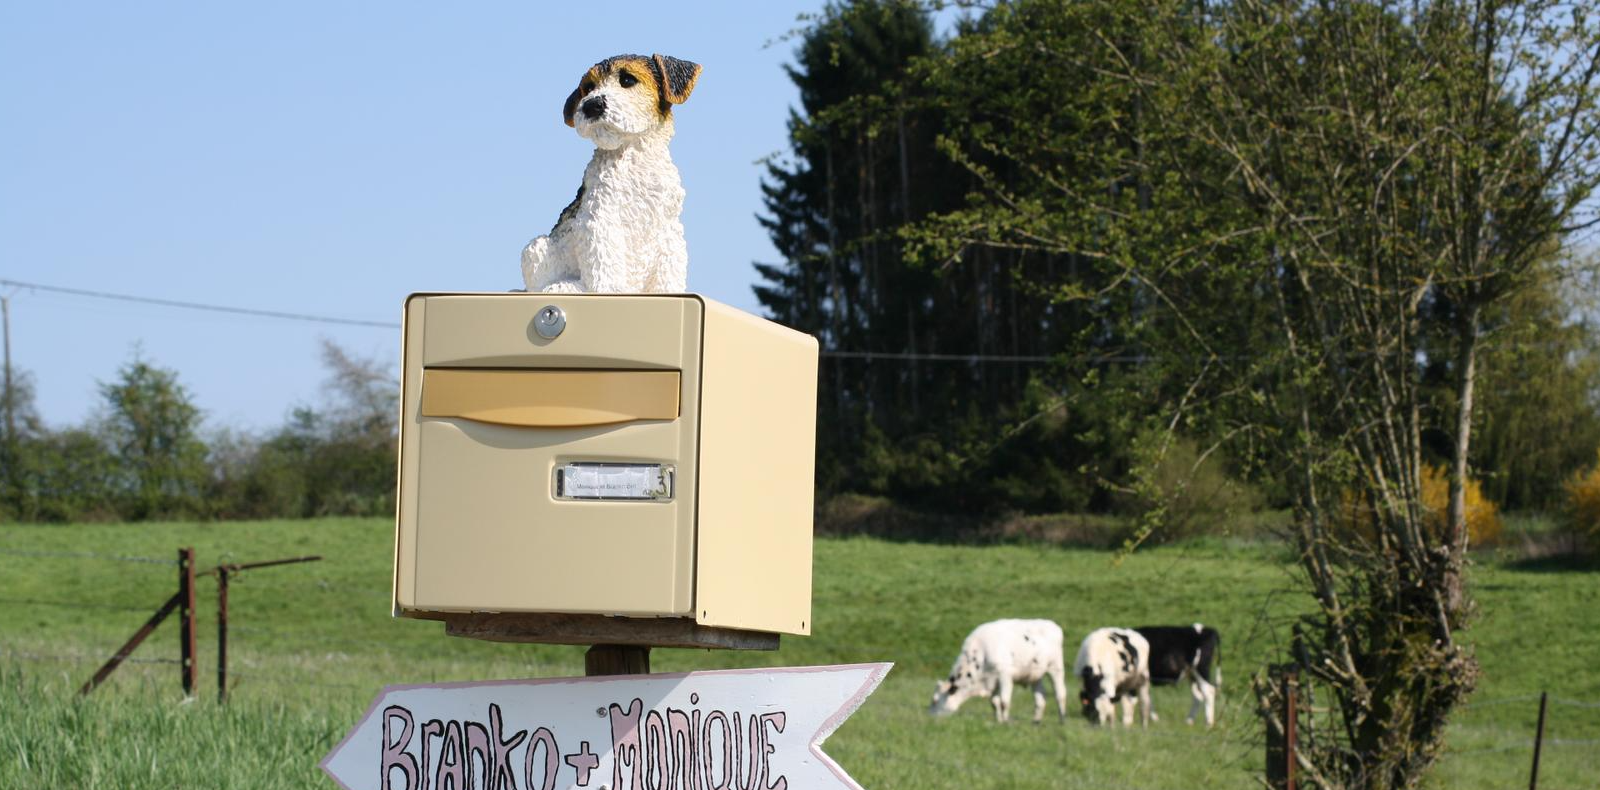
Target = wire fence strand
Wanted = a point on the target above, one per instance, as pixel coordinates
(267, 659)
(113, 607)
(1573, 703)
(82, 658)
(85, 555)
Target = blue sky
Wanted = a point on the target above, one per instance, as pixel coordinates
(330, 158)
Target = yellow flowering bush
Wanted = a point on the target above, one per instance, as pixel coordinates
(1484, 526)
(1483, 518)
(1583, 505)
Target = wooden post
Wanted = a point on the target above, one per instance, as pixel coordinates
(1538, 741)
(1290, 725)
(616, 660)
(186, 611)
(222, 633)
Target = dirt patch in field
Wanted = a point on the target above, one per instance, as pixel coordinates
(851, 514)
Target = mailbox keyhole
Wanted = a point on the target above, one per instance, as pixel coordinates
(550, 321)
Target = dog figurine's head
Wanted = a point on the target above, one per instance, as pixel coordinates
(628, 96)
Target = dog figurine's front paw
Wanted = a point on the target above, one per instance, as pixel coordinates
(572, 286)
(534, 263)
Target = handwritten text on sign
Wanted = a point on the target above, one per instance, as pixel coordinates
(731, 730)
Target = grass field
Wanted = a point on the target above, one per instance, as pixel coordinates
(312, 644)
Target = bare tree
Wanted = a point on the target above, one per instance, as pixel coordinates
(366, 393)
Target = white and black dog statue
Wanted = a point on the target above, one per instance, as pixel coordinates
(622, 233)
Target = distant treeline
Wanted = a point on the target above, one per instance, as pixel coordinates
(147, 455)
(964, 223)
(977, 229)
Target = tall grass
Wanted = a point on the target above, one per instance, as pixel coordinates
(312, 644)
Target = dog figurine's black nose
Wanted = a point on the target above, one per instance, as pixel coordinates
(594, 108)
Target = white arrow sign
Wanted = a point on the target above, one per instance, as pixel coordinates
(755, 729)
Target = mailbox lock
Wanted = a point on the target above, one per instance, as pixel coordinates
(550, 321)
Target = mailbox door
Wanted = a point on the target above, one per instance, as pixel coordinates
(493, 409)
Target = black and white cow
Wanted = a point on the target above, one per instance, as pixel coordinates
(1113, 664)
(1180, 651)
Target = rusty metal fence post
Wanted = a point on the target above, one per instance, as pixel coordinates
(1538, 741)
(128, 647)
(224, 574)
(186, 633)
(222, 634)
(184, 601)
(1282, 744)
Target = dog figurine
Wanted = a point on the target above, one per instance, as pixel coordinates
(622, 233)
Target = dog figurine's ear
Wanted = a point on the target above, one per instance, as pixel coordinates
(677, 78)
(571, 107)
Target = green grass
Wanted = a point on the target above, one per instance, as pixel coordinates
(312, 644)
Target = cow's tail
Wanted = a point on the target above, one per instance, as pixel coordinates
(1216, 662)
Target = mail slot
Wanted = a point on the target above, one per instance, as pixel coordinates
(628, 455)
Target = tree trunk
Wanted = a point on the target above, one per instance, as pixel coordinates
(1456, 516)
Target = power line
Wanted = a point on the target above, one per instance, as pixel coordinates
(875, 355)
(867, 356)
(892, 356)
(320, 319)
(215, 308)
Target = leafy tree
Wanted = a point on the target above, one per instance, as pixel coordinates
(65, 476)
(1297, 214)
(932, 383)
(21, 426)
(1540, 394)
(152, 426)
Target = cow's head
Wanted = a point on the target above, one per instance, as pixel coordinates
(1094, 699)
(948, 695)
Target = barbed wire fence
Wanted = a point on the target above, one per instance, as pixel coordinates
(327, 658)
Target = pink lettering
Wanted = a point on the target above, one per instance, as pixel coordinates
(542, 738)
(708, 754)
(432, 729)
(394, 750)
(625, 747)
(775, 721)
(478, 743)
(680, 745)
(500, 777)
(452, 762)
(655, 738)
(665, 749)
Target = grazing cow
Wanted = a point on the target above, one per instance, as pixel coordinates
(1113, 663)
(1178, 651)
(1000, 653)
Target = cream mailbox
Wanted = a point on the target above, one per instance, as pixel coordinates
(632, 455)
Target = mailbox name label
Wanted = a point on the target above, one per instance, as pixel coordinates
(652, 482)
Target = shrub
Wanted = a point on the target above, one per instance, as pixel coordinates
(1483, 518)
(1582, 512)
(1484, 526)
(1177, 492)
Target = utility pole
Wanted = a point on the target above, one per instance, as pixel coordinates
(10, 394)
(8, 443)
